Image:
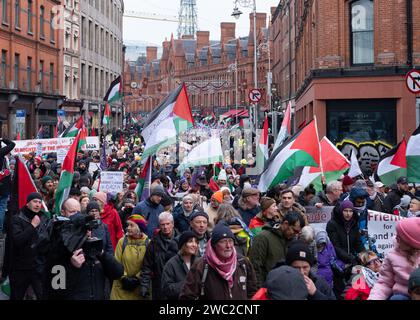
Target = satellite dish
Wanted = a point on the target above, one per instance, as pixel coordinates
(134, 85)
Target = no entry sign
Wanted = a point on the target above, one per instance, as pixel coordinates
(413, 81)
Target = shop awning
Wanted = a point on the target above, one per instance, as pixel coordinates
(235, 112)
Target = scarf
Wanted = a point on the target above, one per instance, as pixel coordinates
(224, 269)
(370, 276)
(372, 197)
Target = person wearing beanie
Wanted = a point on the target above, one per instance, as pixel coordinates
(414, 210)
(215, 202)
(348, 183)
(130, 252)
(414, 285)
(199, 221)
(269, 215)
(182, 213)
(361, 202)
(283, 283)
(222, 179)
(229, 275)
(84, 191)
(300, 257)
(399, 263)
(24, 263)
(343, 231)
(176, 269)
(402, 208)
(100, 198)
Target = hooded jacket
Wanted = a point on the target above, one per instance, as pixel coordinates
(150, 211)
(110, 217)
(268, 248)
(347, 244)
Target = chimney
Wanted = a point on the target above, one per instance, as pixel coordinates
(151, 54)
(227, 31)
(203, 39)
(261, 21)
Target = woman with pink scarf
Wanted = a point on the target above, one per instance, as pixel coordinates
(221, 274)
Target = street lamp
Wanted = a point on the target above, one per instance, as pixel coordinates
(234, 68)
(236, 14)
(265, 47)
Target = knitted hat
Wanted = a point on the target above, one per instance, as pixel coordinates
(157, 191)
(84, 189)
(360, 184)
(405, 201)
(414, 280)
(92, 205)
(46, 179)
(246, 192)
(33, 196)
(266, 203)
(139, 220)
(222, 175)
(286, 283)
(198, 213)
(347, 181)
(346, 204)
(299, 251)
(185, 237)
(101, 196)
(220, 232)
(218, 196)
(408, 230)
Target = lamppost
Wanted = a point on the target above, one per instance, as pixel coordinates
(234, 68)
(265, 47)
(236, 14)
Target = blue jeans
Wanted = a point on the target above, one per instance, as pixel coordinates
(3, 207)
(399, 297)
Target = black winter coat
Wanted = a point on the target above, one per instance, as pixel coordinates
(5, 184)
(323, 290)
(347, 244)
(158, 253)
(393, 198)
(173, 277)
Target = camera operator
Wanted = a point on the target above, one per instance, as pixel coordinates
(26, 264)
(87, 265)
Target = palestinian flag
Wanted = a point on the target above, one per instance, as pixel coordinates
(66, 178)
(285, 127)
(172, 117)
(333, 165)
(301, 150)
(262, 149)
(73, 130)
(413, 157)
(114, 92)
(107, 115)
(393, 164)
(143, 186)
(82, 137)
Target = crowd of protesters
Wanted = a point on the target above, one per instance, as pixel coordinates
(206, 234)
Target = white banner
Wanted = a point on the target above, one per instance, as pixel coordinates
(381, 226)
(111, 181)
(52, 145)
(93, 166)
(319, 217)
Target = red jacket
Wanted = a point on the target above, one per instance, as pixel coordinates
(260, 295)
(111, 218)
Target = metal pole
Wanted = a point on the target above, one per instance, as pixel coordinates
(236, 89)
(255, 61)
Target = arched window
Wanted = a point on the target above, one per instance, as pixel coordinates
(362, 32)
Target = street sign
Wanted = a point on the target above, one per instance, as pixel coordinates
(255, 95)
(412, 81)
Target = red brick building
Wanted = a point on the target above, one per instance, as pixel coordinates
(345, 62)
(30, 66)
(206, 66)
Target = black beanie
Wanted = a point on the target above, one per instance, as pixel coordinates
(198, 213)
(299, 251)
(32, 196)
(220, 232)
(92, 205)
(185, 237)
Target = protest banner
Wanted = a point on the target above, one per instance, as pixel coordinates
(111, 181)
(51, 145)
(381, 227)
(61, 155)
(319, 217)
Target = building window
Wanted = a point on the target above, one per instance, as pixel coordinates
(362, 32)
(41, 22)
(30, 28)
(4, 11)
(52, 30)
(51, 82)
(16, 70)
(83, 79)
(17, 14)
(3, 68)
(41, 76)
(83, 33)
(28, 73)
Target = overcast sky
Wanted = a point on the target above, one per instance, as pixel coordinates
(210, 14)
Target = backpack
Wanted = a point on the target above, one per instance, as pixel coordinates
(241, 261)
(125, 242)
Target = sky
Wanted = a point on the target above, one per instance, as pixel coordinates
(210, 14)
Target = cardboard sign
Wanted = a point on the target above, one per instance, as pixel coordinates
(93, 167)
(111, 181)
(61, 155)
(319, 217)
(52, 145)
(381, 227)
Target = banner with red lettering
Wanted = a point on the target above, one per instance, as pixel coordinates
(319, 217)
